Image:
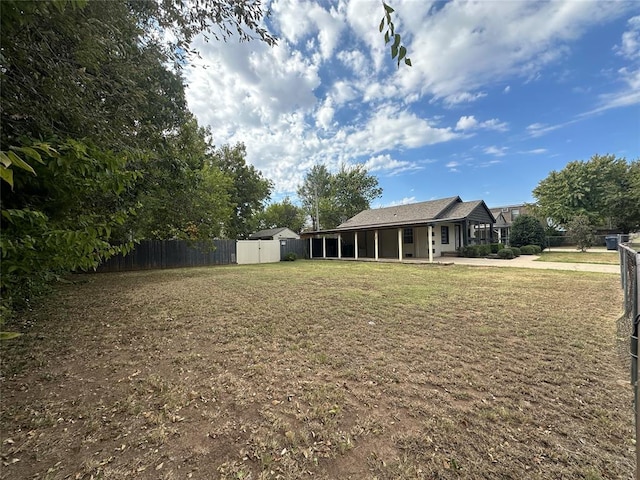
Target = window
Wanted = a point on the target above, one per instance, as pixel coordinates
(408, 235)
(444, 235)
(515, 212)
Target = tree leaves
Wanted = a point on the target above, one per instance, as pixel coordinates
(600, 188)
(398, 51)
(337, 197)
(283, 214)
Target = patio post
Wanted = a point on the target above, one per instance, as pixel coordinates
(355, 245)
(339, 246)
(430, 241)
(324, 247)
(400, 244)
(375, 242)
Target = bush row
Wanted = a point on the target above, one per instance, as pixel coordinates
(475, 251)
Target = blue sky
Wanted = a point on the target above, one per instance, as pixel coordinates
(500, 93)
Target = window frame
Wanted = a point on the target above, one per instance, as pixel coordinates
(407, 236)
(444, 234)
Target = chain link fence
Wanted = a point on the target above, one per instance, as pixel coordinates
(628, 325)
(629, 272)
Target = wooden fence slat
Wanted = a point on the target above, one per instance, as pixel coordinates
(160, 254)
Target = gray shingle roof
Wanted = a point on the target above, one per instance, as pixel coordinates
(460, 210)
(267, 233)
(406, 214)
(441, 210)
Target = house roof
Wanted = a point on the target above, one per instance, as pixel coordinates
(268, 233)
(501, 222)
(441, 210)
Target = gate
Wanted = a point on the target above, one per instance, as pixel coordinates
(258, 251)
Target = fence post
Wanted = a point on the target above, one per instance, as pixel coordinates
(636, 307)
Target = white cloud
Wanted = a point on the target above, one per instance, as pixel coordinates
(463, 97)
(299, 19)
(490, 163)
(324, 115)
(329, 93)
(467, 123)
(470, 123)
(389, 127)
(386, 164)
(630, 43)
(507, 89)
(628, 76)
(404, 201)
(497, 151)
(538, 129)
(466, 46)
(536, 151)
(453, 166)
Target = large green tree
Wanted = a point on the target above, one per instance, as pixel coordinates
(181, 195)
(604, 189)
(283, 214)
(248, 193)
(334, 198)
(95, 126)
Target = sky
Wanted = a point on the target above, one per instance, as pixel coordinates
(500, 94)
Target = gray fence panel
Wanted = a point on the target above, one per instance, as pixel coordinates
(298, 246)
(158, 254)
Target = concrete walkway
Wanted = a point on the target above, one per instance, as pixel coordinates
(528, 261)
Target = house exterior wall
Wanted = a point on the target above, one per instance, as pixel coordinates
(421, 240)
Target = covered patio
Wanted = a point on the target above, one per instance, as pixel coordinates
(416, 231)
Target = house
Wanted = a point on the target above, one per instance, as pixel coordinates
(274, 234)
(504, 219)
(418, 230)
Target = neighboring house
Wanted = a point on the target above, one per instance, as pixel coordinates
(504, 219)
(274, 234)
(418, 230)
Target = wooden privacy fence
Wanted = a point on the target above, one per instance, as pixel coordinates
(291, 245)
(158, 254)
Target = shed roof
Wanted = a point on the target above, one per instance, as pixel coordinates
(268, 233)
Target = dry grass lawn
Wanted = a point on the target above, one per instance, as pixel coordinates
(321, 370)
(608, 258)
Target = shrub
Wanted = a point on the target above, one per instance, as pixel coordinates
(290, 257)
(581, 231)
(516, 251)
(527, 230)
(531, 250)
(496, 247)
(505, 253)
(470, 251)
(538, 249)
(474, 251)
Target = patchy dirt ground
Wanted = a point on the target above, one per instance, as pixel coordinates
(321, 370)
